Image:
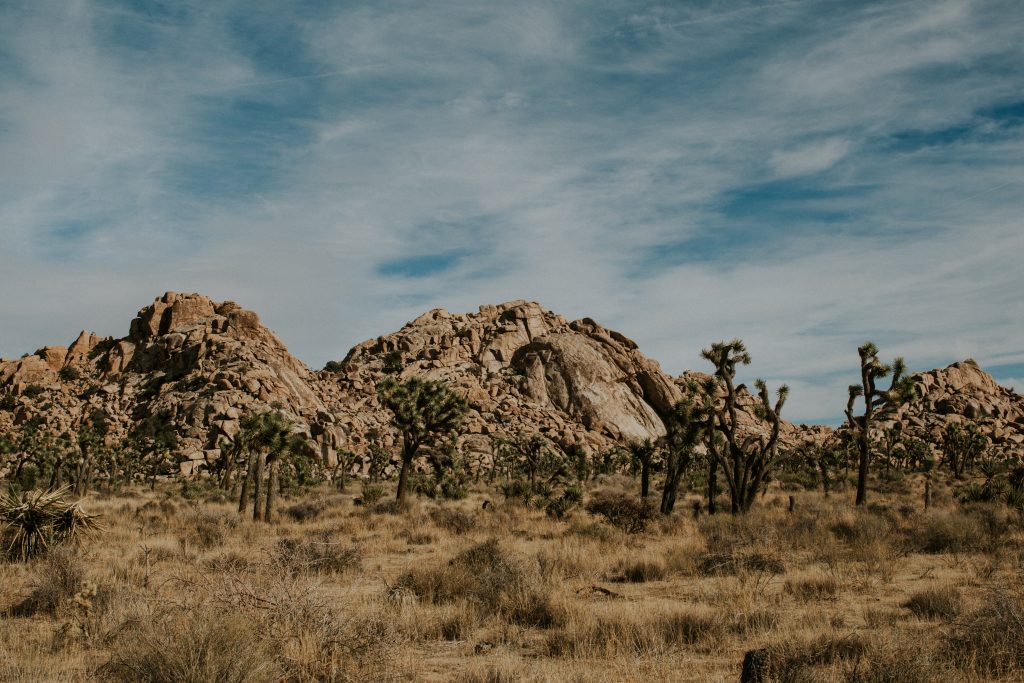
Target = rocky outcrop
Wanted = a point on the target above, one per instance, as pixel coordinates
(203, 364)
(523, 369)
(962, 392)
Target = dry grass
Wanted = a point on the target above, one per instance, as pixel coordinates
(337, 590)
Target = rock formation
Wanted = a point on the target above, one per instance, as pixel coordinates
(960, 393)
(521, 367)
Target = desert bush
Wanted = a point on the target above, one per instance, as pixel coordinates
(305, 510)
(57, 579)
(206, 530)
(732, 563)
(32, 521)
(947, 532)
(813, 588)
(188, 646)
(453, 520)
(488, 577)
(319, 555)
(622, 510)
(372, 493)
(623, 632)
(990, 640)
(936, 603)
(638, 571)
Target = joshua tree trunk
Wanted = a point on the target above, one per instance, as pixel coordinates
(272, 485)
(257, 498)
(403, 480)
(645, 477)
(862, 466)
(250, 474)
(713, 487)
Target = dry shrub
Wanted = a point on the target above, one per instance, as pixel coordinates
(318, 555)
(638, 571)
(230, 561)
(453, 520)
(417, 537)
(204, 529)
(813, 588)
(622, 510)
(947, 532)
(57, 579)
(305, 510)
(186, 646)
(624, 631)
(797, 660)
(936, 603)
(990, 640)
(897, 660)
(486, 576)
(595, 531)
(733, 563)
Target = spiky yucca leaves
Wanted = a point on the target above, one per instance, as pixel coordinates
(423, 411)
(35, 519)
(901, 390)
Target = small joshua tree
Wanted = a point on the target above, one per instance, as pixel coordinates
(900, 390)
(962, 446)
(424, 412)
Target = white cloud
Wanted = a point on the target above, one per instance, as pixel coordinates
(811, 158)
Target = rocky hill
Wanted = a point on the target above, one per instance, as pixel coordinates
(960, 393)
(202, 365)
(522, 368)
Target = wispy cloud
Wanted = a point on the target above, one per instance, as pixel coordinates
(803, 174)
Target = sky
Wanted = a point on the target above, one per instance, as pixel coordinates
(805, 175)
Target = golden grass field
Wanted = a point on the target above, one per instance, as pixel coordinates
(189, 590)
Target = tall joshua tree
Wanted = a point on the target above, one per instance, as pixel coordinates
(424, 411)
(900, 390)
(747, 462)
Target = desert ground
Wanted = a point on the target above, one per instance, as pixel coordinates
(180, 586)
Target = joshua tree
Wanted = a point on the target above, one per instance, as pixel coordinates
(424, 411)
(642, 454)
(961, 446)
(900, 391)
(267, 437)
(746, 463)
(531, 455)
(686, 426)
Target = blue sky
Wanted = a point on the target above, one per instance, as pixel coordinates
(805, 175)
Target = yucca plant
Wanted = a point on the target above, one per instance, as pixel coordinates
(32, 520)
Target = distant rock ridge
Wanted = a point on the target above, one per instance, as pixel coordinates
(521, 367)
